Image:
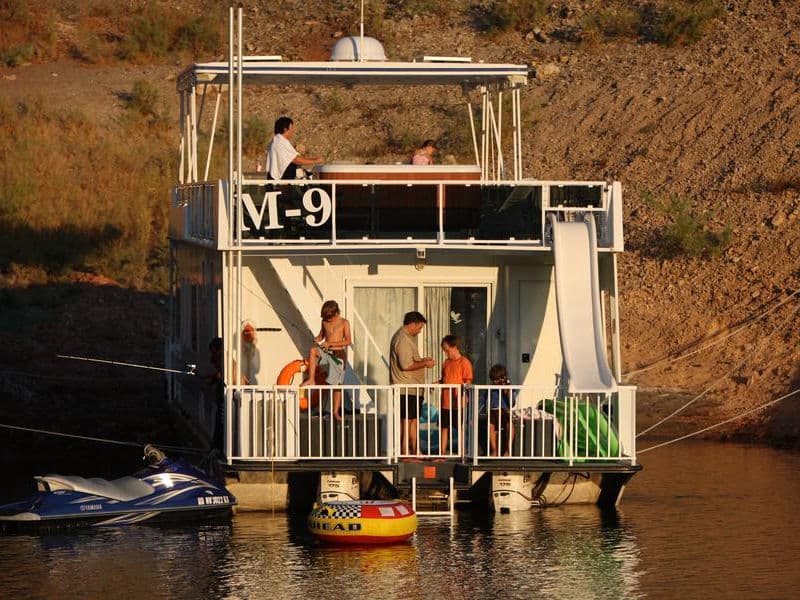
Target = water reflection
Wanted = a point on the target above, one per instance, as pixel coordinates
(700, 520)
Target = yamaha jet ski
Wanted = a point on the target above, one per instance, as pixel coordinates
(165, 490)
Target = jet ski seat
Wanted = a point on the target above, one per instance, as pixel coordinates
(123, 489)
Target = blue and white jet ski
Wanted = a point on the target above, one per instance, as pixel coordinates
(165, 490)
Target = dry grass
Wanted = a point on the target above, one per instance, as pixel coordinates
(77, 195)
(102, 31)
(665, 22)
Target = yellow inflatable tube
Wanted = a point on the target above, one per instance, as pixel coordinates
(362, 521)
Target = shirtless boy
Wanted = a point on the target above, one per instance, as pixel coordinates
(330, 353)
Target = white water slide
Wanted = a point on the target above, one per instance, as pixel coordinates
(580, 321)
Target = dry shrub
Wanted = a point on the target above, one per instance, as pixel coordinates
(27, 31)
(495, 16)
(409, 8)
(686, 233)
(610, 23)
(680, 21)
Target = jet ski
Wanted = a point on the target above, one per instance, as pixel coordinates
(166, 489)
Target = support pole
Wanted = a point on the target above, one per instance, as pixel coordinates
(500, 134)
(474, 138)
(230, 125)
(213, 133)
(496, 146)
(519, 126)
(239, 174)
(193, 135)
(515, 132)
(182, 149)
(484, 165)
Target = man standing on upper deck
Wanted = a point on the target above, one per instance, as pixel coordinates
(282, 158)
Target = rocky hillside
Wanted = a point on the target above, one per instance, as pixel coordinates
(704, 137)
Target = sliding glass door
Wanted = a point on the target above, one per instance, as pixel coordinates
(459, 311)
(377, 312)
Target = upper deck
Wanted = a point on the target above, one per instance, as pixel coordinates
(390, 206)
(485, 202)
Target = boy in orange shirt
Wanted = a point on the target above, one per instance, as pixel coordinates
(456, 369)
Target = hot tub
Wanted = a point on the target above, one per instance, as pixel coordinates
(402, 172)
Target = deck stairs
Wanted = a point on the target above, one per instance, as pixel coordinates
(431, 487)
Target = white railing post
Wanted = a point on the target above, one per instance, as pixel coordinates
(229, 425)
(475, 422)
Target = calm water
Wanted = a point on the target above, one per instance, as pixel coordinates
(702, 520)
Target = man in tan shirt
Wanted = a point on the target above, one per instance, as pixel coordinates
(407, 369)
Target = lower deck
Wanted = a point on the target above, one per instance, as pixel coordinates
(576, 449)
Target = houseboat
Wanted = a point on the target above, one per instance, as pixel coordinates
(523, 270)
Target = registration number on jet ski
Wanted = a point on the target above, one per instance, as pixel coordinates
(213, 500)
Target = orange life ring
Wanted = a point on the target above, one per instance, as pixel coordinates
(289, 371)
(300, 366)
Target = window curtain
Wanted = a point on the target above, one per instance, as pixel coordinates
(437, 312)
(378, 314)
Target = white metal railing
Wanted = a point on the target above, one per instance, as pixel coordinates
(288, 423)
(526, 422)
(377, 423)
(194, 212)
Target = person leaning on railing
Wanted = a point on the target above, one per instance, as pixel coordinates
(498, 404)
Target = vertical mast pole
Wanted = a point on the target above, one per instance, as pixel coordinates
(484, 100)
(514, 132)
(193, 135)
(182, 104)
(519, 128)
(239, 179)
(229, 199)
(361, 41)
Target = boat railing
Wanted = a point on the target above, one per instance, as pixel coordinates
(310, 213)
(526, 422)
(194, 212)
(483, 424)
(298, 424)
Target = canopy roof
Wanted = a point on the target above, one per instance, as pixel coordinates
(344, 73)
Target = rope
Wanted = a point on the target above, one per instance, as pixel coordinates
(725, 422)
(747, 323)
(105, 440)
(775, 329)
(124, 364)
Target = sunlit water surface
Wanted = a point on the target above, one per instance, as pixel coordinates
(702, 520)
